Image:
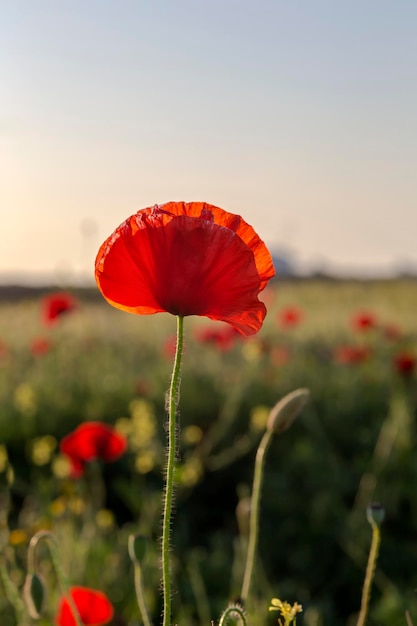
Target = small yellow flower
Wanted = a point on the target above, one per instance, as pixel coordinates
(192, 435)
(259, 417)
(105, 519)
(42, 449)
(17, 537)
(144, 462)
(288, 612)
(24, 399)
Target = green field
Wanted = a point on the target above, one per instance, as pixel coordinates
(354, 443)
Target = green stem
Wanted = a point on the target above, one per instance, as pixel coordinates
(62, 580)
(230, 613)
(169, 485)
(254, 513)
(140, 596)
(369, 576)
(12, 593)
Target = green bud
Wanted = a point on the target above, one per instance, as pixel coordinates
(34, 595)
(137, 545)
(286, 410)
(375, 513)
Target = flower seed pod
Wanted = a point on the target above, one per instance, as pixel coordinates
(375, 513)
(286, 410)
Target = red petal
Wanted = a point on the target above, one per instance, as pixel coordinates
(187, 259)
(93, 440)
(93, 606)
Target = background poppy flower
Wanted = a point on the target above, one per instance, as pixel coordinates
(186, 259)
(55, 305)
(290, 317)
(405, 363)
(352, 354)
(91, 441)
(40, 346)
(93, 606)
(222, 338)
(364, 320)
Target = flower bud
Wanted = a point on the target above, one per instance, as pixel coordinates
(34, 595)
(137, 545)
(375, 513)
(286, 410)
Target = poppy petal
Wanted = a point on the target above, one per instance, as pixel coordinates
(93, 606)
(186, 259)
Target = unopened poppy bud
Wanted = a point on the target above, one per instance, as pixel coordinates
(34, 595)
(375, 513)
(137, 545)
(286, 410)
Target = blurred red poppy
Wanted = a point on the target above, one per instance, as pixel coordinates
(91, 441)
(405, 363)
(40, 346)
(4, 349)
(364, 320)
(392, 332)
(93, 607)
(170, 347)
(290, 317)
(223, 338)
(352, 354)
(55, 305)
(186, 259)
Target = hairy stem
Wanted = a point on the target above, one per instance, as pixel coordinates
(173, 400)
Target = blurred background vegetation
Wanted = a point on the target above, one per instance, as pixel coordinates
(352, 343)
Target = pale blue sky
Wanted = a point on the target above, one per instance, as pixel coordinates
(301, 116)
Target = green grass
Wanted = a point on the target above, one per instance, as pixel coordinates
(355, 442)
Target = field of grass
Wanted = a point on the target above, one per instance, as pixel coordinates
(354, 443)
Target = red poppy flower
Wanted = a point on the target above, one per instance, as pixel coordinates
(93, 607)
(40, 346)
(364, 321)
(352, 354)
(186, 259)
(4, 349)
(55, 305)
(405, 363)
(290, 317)
(91, 441)
(392, 332)
(222, 338)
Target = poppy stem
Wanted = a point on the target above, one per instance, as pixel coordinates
(254, 513)
(62, 580)
(173, 399)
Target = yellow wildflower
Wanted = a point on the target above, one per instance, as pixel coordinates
(288, 612)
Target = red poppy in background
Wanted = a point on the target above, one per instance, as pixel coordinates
(186, 259)
(352, 354)
(4, 349)
(405, 363)
(364, 320)
(93, 607)
(55, 305)
(392, 332)
(223, 338)
(40, 346)
(170, 347)
(290, 317)
(91, 441)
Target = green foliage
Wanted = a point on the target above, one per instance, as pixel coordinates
(354, 443)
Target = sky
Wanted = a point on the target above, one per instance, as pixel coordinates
(298, 115)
